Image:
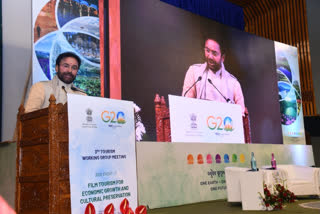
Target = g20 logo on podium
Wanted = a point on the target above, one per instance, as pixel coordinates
(113, 117)
(219, 123)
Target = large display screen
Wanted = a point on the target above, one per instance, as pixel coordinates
(159, 42)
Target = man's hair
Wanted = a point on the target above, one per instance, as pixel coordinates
(217, 40)
(68, 54)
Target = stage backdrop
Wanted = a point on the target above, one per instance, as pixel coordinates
(172, 174)
(67, 25)
(159, 42)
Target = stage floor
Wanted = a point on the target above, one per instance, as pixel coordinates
(222, 206)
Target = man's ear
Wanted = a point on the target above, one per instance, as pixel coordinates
(57, 67)
(222, 57)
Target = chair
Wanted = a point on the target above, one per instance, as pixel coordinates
(163, 121)
(301, 180)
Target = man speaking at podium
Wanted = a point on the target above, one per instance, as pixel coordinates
(210, 80)
(67, 66)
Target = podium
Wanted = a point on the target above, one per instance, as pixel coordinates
(42, 166)
(162, 117)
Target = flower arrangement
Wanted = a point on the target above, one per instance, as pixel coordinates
(286, 195)
(275, 200)
(140, 129)
(124, 208)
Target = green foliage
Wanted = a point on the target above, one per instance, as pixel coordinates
(91, 85)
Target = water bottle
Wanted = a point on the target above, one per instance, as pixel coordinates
(273, 162)
(253, 162)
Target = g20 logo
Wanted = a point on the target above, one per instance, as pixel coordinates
(113, 117)
(217, 123)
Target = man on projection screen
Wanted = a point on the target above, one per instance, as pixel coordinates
(67, 66)
(210, 80)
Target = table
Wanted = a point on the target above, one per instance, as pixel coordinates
(251, 183)
(244, 185)
(272, 177)
(233, 183)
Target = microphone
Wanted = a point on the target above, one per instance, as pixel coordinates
(227, 99)
(77, 89)
(74, 88)
(199, 79)
(64, 89)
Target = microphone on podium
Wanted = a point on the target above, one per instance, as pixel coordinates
(226, 99)
(199, 79)
(64, 89)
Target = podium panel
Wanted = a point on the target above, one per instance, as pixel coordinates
(42, 167)
(195, 120)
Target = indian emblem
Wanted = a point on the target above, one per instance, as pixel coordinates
(193, 118)
(89, 115)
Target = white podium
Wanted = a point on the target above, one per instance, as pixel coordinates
(251, 185)
(233, 183)
(244, 186)
(195, 120)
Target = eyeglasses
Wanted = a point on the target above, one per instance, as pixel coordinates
(208, 51)
(67, 66)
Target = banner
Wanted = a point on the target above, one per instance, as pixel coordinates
(102, 160)
(290, 97)
(195, 120)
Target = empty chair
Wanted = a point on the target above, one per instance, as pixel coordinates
(301, 180)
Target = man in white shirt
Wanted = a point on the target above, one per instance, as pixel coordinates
(67, 66)
(210, 80)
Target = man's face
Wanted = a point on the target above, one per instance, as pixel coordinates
(213, 55)
(67, 69)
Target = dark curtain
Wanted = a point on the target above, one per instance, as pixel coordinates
(219, 10)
